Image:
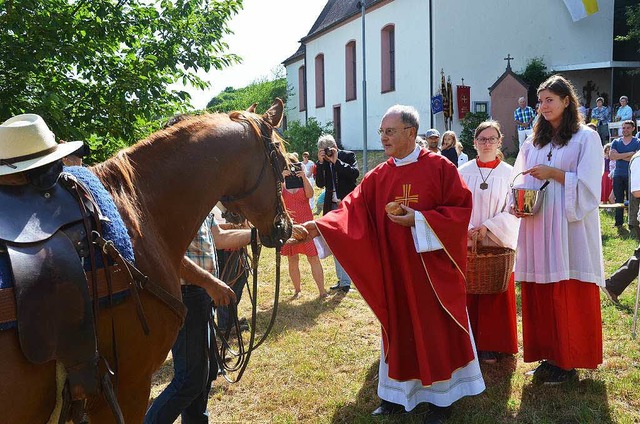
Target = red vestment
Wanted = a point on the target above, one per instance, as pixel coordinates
(419, 298)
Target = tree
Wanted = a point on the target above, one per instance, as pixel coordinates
(262, 91)
(534, 74)
(633, 30)
(304, 137)
(99, 70)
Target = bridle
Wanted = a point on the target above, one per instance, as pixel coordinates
(228, 359)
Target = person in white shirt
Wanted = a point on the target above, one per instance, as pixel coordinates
(492, 316)
(462, 156)
(624, 111)
(310, 172)
(559, 255)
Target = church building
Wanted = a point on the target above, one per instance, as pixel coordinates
(415, 50)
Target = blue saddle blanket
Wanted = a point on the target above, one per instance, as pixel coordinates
(113, 230)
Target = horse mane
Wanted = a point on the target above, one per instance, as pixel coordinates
(118, 175)
(255, 122)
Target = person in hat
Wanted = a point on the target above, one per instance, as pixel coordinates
(433, 140)
(27, 144)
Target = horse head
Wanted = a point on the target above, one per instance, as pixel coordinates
(273, 223)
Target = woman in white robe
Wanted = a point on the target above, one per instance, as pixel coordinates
(559, 255)
(492, 316)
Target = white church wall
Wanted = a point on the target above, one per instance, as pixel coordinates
(471, 41)
(471, 38)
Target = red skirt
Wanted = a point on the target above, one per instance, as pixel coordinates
(493, 320)
(607, 187)
(561, 322)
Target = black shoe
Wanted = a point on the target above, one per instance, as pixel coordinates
(540, 373)
(487, 357)
(336, 287)
(437, 414)
(560, 376)
(345, 289)
(388, 408)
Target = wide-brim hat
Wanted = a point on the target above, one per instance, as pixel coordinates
(26, 142)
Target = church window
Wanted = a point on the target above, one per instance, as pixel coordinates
(302, 89)
(320, 80)
(388, 57)
(350, 71)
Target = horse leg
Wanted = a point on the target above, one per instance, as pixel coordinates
(133, 403)
(27, 391)
(139, 355)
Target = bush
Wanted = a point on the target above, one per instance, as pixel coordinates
(301, 138)
(469, 125)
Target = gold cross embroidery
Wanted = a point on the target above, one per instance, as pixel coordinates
(407, 197)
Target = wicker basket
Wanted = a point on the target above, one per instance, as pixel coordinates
(489, 268)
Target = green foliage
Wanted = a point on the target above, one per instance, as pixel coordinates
(262, 91)
(305, 137)
(534, 74)
(633, 35)
(100, 70)
(469, 125)
(633, 23)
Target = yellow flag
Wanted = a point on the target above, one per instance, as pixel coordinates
(580, 9)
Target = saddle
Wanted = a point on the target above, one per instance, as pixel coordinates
(45, 234)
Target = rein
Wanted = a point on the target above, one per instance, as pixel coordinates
(230, 360)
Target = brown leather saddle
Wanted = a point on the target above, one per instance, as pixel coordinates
(45, 236)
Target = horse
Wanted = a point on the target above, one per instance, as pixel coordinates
(163, 186)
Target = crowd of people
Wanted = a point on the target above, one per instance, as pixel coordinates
(435, 335)
(412, 220)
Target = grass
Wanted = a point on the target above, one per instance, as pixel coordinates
(320, 363)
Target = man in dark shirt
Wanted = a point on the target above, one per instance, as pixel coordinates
(337, 172)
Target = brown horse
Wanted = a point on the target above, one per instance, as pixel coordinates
(164, 186)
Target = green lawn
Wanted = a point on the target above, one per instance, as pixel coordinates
(320, 364)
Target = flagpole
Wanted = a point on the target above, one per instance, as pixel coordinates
(431, 60)
(364, 92)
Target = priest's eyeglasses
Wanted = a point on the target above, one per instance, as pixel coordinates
(488, 140)
(390, 132)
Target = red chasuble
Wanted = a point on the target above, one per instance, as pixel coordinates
(419, 298)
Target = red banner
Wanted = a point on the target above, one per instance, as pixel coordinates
(464, 100)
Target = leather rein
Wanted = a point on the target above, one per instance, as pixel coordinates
(236, 360)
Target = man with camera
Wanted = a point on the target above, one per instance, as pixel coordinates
(337, 172)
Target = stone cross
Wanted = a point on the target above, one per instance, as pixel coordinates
(509, 59)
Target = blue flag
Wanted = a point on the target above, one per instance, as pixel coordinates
(436, 103)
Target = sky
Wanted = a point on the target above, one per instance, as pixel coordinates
(265, 34)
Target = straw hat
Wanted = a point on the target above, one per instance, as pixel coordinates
(27, 143)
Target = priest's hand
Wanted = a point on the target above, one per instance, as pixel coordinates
(406, 220)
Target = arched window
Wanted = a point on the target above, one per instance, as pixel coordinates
(388, 57)
(350, 70)
(320, 80)
(302, 89)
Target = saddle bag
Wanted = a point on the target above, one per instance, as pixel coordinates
(44, 234)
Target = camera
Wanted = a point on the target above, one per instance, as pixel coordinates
(328, 151)
(293, 181)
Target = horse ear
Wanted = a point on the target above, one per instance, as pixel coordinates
(274, 115)
(252, 108)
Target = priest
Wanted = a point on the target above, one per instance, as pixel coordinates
(410, 269)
